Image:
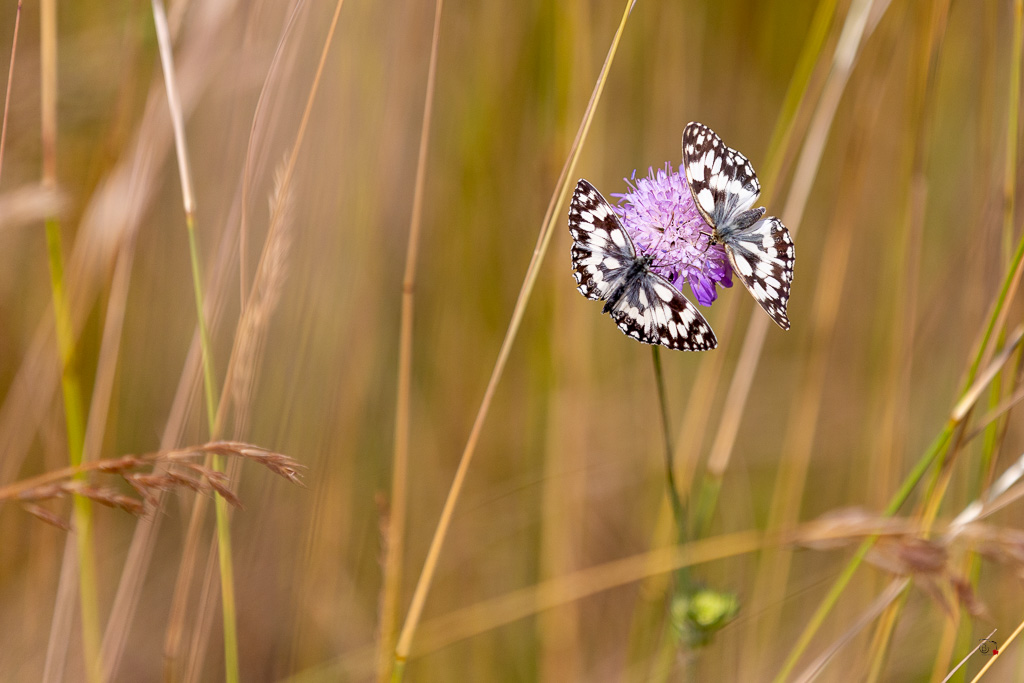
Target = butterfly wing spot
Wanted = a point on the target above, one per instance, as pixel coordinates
(663, 292)
(706, 200)
(742, 265)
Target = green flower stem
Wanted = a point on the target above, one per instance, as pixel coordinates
(670, 636)
(670, 477)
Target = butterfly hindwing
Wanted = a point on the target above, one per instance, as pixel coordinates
(652, 311)
(605, 264)
(724, 188)
(762, 257)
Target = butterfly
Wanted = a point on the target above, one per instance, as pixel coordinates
(644, 305)
(724, 187)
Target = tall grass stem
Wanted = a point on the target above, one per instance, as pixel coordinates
(71, 381)
(223, 522)
(395, 534)
(551, 217)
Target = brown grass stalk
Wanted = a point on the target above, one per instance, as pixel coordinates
(394, 534)
(801, 427)
(551, 217)
(891, 426)
(847, 51)
(10, 82)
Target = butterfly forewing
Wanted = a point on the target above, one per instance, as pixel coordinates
(762, 256)
(601, 250)
(724, 188)
(605, 264)
(721, 179)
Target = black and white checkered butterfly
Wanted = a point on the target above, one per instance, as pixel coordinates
(606, 266)
(724, 188)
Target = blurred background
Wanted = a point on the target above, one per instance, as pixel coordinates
(884, 134)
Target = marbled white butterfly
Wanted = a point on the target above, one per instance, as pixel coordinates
(724, 187)
(606, 266)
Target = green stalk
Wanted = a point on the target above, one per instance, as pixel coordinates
(935, 451)
(670, 637)
(227, 573)
(993, 431)
(670, 477)
(71, 383)
(74, 416)
(227, 584)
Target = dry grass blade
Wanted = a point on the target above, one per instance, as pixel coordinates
(393, 534)
(10, 80)
(271, 253)
(504, 609)
(256, 315)
(847, 50)
(971, 396)
(543, 239)
(29, 204)
(886, 598)
(1002, 650)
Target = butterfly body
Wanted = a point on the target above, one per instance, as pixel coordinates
(605, 263)
(626, 284)
(725, 187)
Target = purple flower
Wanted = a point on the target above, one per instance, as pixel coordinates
(661, 218)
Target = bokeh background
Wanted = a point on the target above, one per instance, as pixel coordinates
(889, 161)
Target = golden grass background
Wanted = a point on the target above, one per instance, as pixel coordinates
(901, 252)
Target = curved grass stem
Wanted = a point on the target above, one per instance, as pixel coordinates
(543, 240)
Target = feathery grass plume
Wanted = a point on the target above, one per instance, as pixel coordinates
(901, 549)
(181, 471)
(269, 280)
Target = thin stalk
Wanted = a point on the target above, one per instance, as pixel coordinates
(1010, 169)
(797, 89)
(669, 638)
(670, 477)
(543, 240)
(10, 80)
(993, 658)
(395, 535)
(854, 31)
(209, 382)
(71, 382)
(173, 640)
(889, 445)
(932, 454)
(992, 432)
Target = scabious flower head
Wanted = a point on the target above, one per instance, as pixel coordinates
(661, 218)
